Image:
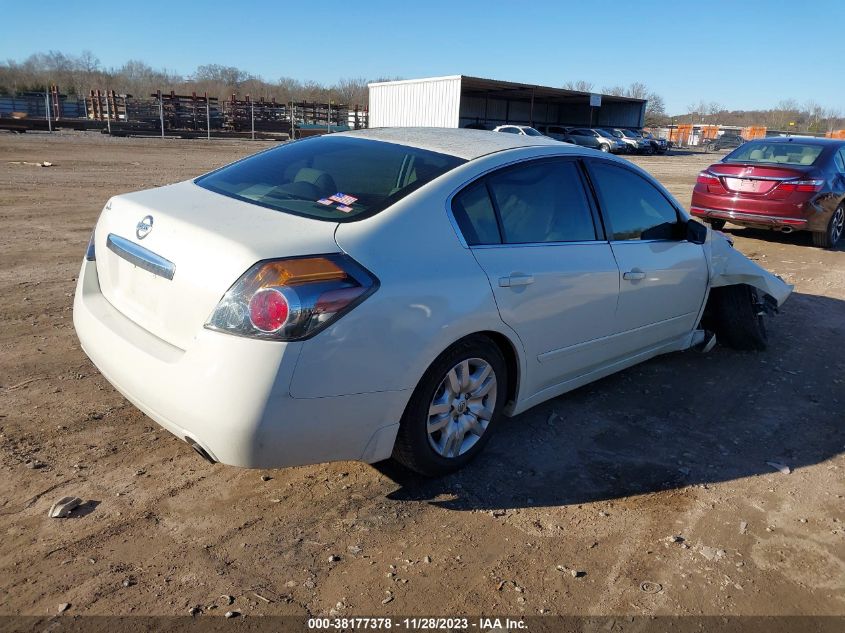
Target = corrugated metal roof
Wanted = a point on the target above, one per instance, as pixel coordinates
(460, 142)
(511, 89)
(514, 90)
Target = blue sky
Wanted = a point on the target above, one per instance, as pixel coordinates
(743, 55)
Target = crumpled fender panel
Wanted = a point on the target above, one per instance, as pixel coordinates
(729, 267)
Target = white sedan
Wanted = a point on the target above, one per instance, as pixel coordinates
(393, 292)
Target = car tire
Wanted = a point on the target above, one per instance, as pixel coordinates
(604, 147)
(734, 314)
(717, 224)
(419, 446)
(830, 237)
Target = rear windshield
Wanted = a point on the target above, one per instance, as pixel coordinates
(332, 178)
(783, 153)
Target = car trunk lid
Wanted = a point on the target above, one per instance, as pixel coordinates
(203, 240)
(751, 179)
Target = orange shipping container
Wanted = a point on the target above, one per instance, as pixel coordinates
(754, 131)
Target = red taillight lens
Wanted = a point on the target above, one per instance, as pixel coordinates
(711, 181)
(706, 178)
(807, 186)
(292, 299)
(269, 310)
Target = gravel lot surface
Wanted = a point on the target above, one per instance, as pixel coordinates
(653, 482)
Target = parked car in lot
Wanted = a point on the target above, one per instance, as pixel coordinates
(636, 143)
(725, 141)
(659, 145)
(785, 184)
(523, 130)
(395, 291)
(620, 146)
(557, 132)
(587, 137)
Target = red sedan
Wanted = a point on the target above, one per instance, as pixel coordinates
(785, 184)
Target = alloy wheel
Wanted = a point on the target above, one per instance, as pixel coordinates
(462, 407)
(837, 225)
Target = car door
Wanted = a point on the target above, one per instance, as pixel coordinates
(535, 232)
(663, 277)
(839, 178)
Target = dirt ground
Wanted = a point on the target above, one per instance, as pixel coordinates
(596, 481)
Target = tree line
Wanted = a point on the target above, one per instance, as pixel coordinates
(788, 115)
(77, 75)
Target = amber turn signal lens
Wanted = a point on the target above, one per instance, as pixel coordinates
(292, 272)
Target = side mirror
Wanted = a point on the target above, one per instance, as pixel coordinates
(696, 232)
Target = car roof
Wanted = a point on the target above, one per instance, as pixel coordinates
(459, 142)
(812, 140)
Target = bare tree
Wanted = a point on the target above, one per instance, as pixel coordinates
(579, 86)
(616, 91)
(655, 111)
(637, 90)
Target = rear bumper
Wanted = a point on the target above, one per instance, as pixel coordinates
(231, 395)
(750, 219)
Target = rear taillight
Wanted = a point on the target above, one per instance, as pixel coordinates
(292, 299)
(90, 252)
(706, 178)
(807, 186)
(711, 181)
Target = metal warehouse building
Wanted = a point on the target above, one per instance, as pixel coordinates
(459, 101)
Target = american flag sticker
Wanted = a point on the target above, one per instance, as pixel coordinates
(342, 198)
(325, 201)
(344, 208)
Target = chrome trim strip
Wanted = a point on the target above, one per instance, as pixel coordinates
(537, 244)
(754, 177)
(730, 213)
(140, 256)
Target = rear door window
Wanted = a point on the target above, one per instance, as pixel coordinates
(540, 202)
(634, 208)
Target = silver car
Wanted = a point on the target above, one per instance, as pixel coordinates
(394, 292)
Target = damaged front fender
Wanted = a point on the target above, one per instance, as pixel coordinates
(729, 267)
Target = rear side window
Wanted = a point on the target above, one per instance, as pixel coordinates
(336, 178)
(839, 159)
(539, 202)
(636, 209)
(475, 215)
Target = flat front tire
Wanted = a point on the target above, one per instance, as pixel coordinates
(454, 408)
(734, 313)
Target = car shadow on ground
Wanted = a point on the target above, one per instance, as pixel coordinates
(798, 238)
(678, 420)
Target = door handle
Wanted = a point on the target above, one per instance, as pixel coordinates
(634, 275)
(516, 280)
